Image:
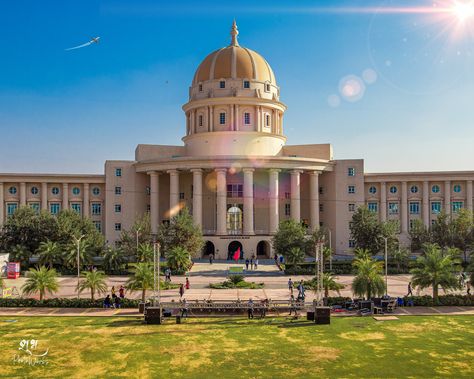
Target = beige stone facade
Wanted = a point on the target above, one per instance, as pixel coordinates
(236, 174)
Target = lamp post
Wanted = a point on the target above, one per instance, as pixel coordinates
(78, 245)
(386, 266)
(330, 250)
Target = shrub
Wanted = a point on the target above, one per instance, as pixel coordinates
(63, 303)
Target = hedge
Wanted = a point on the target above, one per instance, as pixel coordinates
(338, 268)
(64, 303)
(443, 300)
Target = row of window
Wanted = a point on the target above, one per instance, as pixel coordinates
(414, 189)
(55, 208)
(55, 190)
(247, 119)
(415, 206)
(245, 84)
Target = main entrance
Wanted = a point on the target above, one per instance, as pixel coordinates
(233, 247)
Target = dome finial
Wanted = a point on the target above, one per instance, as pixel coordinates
(234, 32)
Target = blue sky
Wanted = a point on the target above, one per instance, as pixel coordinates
(68, 111)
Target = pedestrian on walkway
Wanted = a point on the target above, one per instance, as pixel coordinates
(168, 274)
(117, 302)
(181, 290)
(250, 308)
(247, 262)
(410, 290)
(113, 292)
(211, 258)
(122, 292)
(251, 262)
(290, 286)
(107, 302)
(468, 287)
(187, 283)
(184, 309)
(255, 263)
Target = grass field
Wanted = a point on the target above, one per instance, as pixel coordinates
(83, 347)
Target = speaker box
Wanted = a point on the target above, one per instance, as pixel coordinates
(310, 316)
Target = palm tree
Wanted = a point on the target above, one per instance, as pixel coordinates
(113, 259)
(49, 252)
(93, 281)
(142, 278)
(41, 280)
(400, 256)
(435, 268)
(295, 255)
(1, 282)
(330, 284)
(362, 253)
(145, 252)
(178, 259)
(20, 253)
(85, 254)
(368, 280)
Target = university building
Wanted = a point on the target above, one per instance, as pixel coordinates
(236, 173)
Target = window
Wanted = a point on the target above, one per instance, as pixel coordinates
(351, 171)
(412, 224)
(35, 207)
(235, 190)
(372, 207)
(118, 226)
(54, 208)
(34, 190)
(11, 208)
(200, 119)
(247, 118)
(222, 118)
(414, 189)
(181, 196)
(200, 87)
(352, 207)
(352, 243)
(435, 207)
(321, 190)
(267, 87)
(118, 208)
(98, 225)
(222, 84)
(321, 207)
(96, 209)
(393, 189)
(351, 189)
(96, 191)
(246, 84)
(118, 190)
(457, 188)
(287, 195)
(55, 191)
(373, 190)
(435, 188)
(287, 209)
(12, 190)
(76, 191)
(456, 206)
(267, 119)
(414, 207)
(118, 172)
(76, 207)
(392, 208)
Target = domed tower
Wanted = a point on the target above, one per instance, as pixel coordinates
(234, 107)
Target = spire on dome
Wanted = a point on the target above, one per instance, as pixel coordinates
(234, 32)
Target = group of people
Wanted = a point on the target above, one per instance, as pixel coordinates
(114, 301)
(252, 262)
(299, 287)
(186, 285)
(263, 308)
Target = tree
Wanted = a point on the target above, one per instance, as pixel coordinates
(368, 281)
(85, 254)
(20, 253)
(113, 259)
(400, 257)
(145, 252)
(178, 259)
(49, 252)
(419, 235)
(181, 231)
(435, 268)
(1, 282)
(141, 228)
(94, 281)
(442, 230)
(142, 279)
(290, 234)
(362, 253)
(295, 256)
(42, 280)
(329, 284)
(463, 231)
(366, 230)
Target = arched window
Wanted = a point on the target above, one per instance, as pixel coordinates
(234, 220)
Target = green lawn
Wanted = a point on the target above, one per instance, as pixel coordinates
(84, 347)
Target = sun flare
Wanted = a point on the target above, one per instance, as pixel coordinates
(463, 10)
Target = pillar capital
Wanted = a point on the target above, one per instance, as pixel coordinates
(153, 173)
(315, 172)
(173, 172)
(274, 170)
(221, 169)
(296, 172)
(193, 170)
(248, 169)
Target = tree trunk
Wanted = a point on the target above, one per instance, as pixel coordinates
(435, 293)
(92, 294)
(41, 295)
(143, 295)
(326, 291)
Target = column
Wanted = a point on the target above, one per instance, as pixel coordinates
(211, 118)
(197, 196)
(154, 197)
(469, 195)
(295, 195)
(44, 196)
(174, 192)
(193, 122)
(426, 204)
(447, 197)
(383, 201)
(221, 227)
(22, 194)
(258, 118)
(248, 201)
(273, 125)
(65, 196)
(232, 118)
(237, 118)
(404, 209)
(2, 204)
(314, 199)
(85, 205)
(274, 200)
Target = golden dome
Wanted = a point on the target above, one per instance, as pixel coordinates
(234, 62)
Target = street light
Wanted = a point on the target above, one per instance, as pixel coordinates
(330, 250)
(78, 245)
(386, 266)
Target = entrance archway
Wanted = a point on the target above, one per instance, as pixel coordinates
(232, 248)
(208, 249)
(263, 249)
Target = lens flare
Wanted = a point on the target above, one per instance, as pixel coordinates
(463, 10)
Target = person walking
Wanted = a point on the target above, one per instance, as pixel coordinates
(181, 290)
(113, 292)
(251, 262)
(410, 290)
(122, 292)
(187, 284)
(250, 308)
(184, 309)
(256, 263)
(211, 258)
(247, 262)
(290, 286)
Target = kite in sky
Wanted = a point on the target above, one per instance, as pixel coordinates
(93, 40)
